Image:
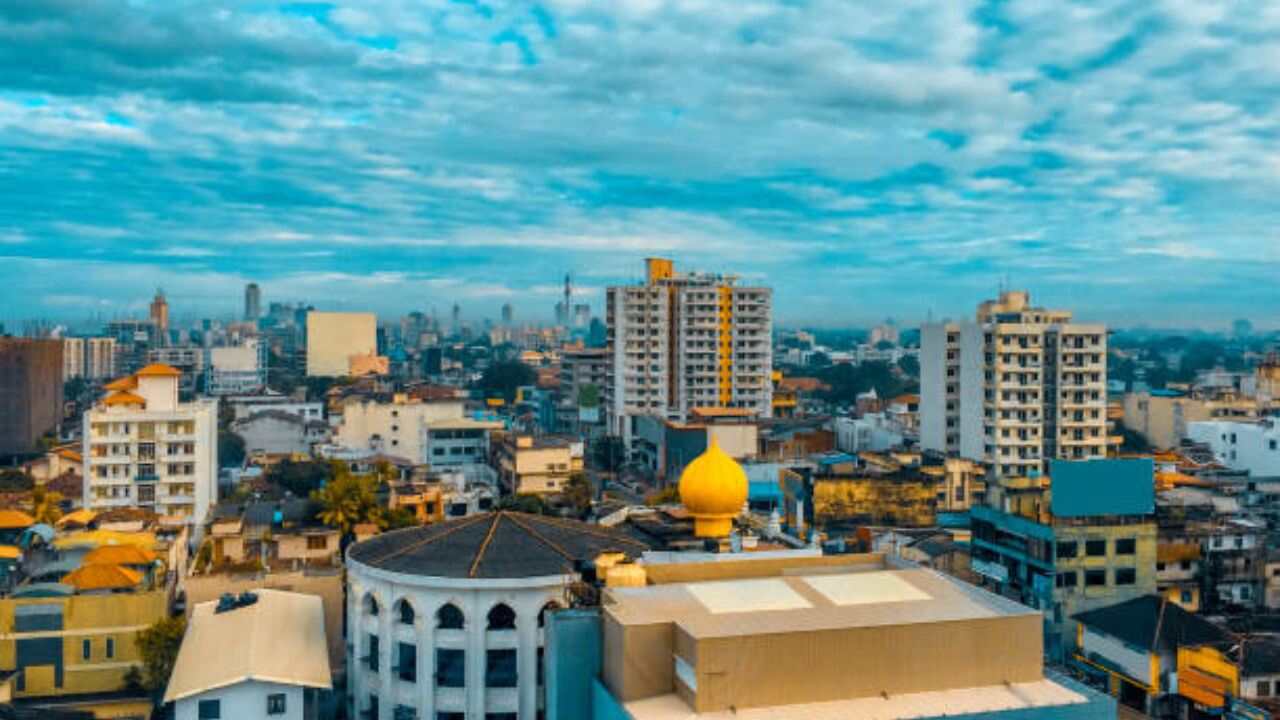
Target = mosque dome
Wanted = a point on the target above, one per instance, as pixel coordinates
(713, 488)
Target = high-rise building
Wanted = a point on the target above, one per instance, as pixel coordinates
(687, 340)
(143, 448)
(30, 391)
(333, 339)
(1015, 388)
(508, 315)
(252, 302)
(160, 316)
(100, 358)
(73, 349)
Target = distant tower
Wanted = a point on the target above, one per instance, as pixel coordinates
(564, 308)
(457, 319)
(160, 314)
(508, 315)
(252, 302)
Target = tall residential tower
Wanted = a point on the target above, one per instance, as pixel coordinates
(1015, 388)
(681, 341)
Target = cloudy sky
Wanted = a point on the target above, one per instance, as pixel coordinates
(866, 159)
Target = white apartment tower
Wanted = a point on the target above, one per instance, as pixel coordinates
(143, 448)
(1018, 386)
(684, 341)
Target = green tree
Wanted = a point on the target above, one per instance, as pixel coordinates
(299, 478)
(46, 505)
(230, 449)
(531, 504)
(909, 365)
(589, 396)
(348, 500)
(578, 493)
(158, 646)
(503, 378)
(401, 518)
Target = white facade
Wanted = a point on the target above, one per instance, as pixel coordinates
(1251, 446)
(161, 454)
(396, 427)
(873, 432)
(243, 407)
(683, 341)
(1018, 387)
(100, 358)
(431, 690)
(72, 358)
(251, 699)
(236, 370)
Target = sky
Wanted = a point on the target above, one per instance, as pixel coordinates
(865, 159)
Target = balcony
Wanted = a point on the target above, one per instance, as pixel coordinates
(146, 478)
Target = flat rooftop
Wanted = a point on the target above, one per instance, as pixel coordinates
(806, 602)
(964, 701)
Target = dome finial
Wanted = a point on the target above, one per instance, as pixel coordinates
(713, 489)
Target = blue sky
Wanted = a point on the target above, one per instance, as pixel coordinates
(864, 159)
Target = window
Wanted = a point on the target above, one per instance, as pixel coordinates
(317, 542)
(451, 716)
(406, 613)
(373, 652)
(500, 669)
(450, 618)
(209, 710)
(1126, 576)
(502, 617)
(372, 711)
(275, 704)
(111, 648)
(407, 664)
(451, 668)
(1068, 549)
(1264, 688)
(1095, 578)
(500, 716)
(1126, 546)
(86, 649)
(1095, 548)
(1068, 579)
(404, 712)
(370, 605)
(1187, 597)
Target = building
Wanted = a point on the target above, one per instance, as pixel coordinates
(1084, 538)
(270, 662)
(236, 370)
(453, 442)
(243, 406)
(334, 338)
(133, 340)
(1250, 446)
(100, 358)
(665, 447)
(159, 316)
(447, 620)
(1162, 416)
(685, 341)
(31, 373)
(278, 432)
(189, 360)
(73, 349)
(144, 448)
(252, 302)
(1232, 678)
(529, 465)
(1019, 386)
(396, 425)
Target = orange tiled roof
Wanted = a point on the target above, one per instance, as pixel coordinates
(15, 519)
(124, 397)
(102, 577)
(128, 382)
(119, 555)
(159, 370)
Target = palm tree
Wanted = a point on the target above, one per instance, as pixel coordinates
(347, 501)
(46, 505)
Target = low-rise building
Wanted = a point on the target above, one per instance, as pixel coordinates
(393, 424)
(279, 432)
(1163, 417)
(529, 465)
(1250, 446)
(260, 654)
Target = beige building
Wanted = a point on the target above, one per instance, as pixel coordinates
(143, 448)
(682, 341)
(397, 427)
(1015, 388)
(73, 350)
(334, 338)
(537, 466)
(1162, 416)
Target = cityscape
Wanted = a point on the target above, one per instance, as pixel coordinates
(646, 360)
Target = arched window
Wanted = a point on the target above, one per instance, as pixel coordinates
(542, 614)
(406, 612)
(502, 617)
(370, 605)
(450, 617)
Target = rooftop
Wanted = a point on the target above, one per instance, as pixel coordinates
(1152, 622)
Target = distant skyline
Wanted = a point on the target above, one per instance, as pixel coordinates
(866, 160)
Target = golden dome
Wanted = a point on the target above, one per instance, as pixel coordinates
(713, 489)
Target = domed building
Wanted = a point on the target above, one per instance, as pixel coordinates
(445, 621)
(713, 488)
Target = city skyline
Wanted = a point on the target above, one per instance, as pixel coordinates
(864, 163)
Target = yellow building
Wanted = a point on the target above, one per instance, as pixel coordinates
(334, 338)
(61, 644)
(1161, 416)
(538, 466)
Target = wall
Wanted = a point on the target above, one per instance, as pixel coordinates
(30, 391)
(573, 662)
(245, 700)
(1134, 663)
(332, 338)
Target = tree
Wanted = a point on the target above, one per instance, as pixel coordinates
(578, 493)
(349, 500)
(158, 645)
(503, 378)
(401, 518)
(609, 453)
(299, 478)
(46, 505)
(531, 504)
(909, 365)
(230, 449)
(15, 481)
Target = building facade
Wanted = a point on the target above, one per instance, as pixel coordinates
(334, 338)
(144, 448)
(31, 374)
(685, 341)
(1251, 446)
(394, 426)
(1019, 386)
(530, 465)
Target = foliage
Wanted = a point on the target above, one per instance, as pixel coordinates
(230, 449)
(609, 453)
(503, 378)
(589, 396)
(531, 504)
(669, 495)
(401, 518)
(909, 365)
(158, 645)
(74, 389)
(348, 500)
(46, 505)
(848, 381)
(15, 481)
(578, 493)
(299, 478)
